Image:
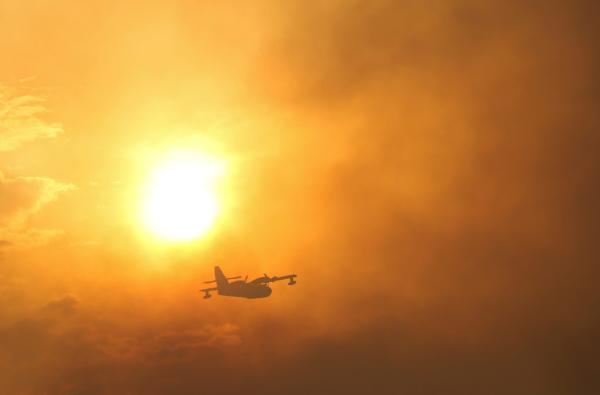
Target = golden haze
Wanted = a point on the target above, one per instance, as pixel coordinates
(427, 168)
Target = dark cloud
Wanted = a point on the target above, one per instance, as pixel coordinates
(462, 209)
(62, 348)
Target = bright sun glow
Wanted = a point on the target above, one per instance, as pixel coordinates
(181, 201)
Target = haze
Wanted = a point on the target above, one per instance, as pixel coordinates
(429, 169)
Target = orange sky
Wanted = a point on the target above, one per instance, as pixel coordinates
(427, 168)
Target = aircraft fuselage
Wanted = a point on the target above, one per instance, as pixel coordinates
(245, 290)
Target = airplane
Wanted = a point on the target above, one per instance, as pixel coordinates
(257, 288)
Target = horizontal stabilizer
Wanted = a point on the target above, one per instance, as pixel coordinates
(228, 278)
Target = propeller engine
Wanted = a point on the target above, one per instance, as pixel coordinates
(266, 278)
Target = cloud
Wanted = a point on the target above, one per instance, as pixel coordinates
(65, 305)
(172, 346)
(184, 344)
(65, 346)
(20, 120)
(21, 198)
(37, 340)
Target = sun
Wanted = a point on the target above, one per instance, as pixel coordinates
(181, 201)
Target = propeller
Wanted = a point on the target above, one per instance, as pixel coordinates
(267, 278)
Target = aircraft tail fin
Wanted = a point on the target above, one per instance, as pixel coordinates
(220, 277)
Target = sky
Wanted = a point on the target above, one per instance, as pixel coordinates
(428, 169)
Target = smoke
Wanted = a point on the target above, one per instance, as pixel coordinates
(427, 168)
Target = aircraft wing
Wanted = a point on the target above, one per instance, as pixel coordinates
(207, 291)
(286, 277)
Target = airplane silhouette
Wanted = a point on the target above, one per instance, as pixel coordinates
(257, 288)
